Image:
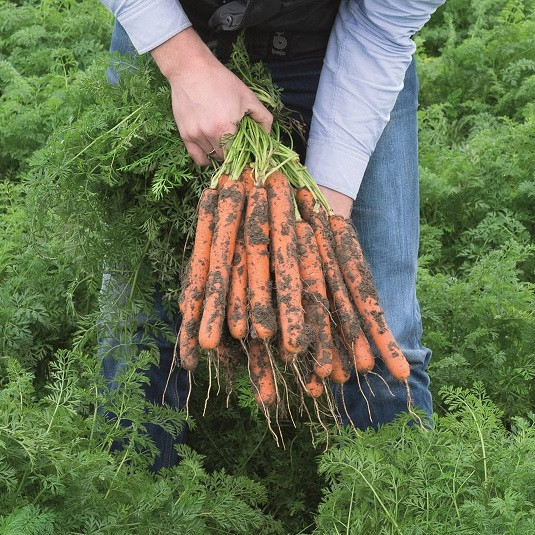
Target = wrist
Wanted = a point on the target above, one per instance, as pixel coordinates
(182, 51)
(340, 204)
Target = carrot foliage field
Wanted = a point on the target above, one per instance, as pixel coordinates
(94, 178)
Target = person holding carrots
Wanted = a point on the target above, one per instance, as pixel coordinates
(346, 68)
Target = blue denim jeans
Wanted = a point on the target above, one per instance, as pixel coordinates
(386, 216)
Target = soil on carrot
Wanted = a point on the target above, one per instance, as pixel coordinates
(265, 316)
(236, 315)
(255, 233)
(379, 320)
(208, 203)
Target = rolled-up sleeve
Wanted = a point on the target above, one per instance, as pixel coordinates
(149, 23)
(369, 51)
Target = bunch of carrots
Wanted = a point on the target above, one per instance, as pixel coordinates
(278, 282)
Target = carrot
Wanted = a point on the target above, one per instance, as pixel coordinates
(261, 373)
(323, 359)
(237, 295)
(340, 370)
(286, 266)
(335, 280)
(229, 212)
(284, 355)
(248, 179)
(362, 354)
(192, 294)
(358, 278)
(315, 296)
(314, 386)
(188, 344)
(229, 351)
(263, 318)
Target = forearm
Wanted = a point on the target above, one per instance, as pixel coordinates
(369, 51)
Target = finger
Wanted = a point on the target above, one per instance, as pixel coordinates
(261, 115)
(226, 140)
(197, 153)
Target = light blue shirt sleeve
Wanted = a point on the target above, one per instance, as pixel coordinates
(369, 50)
(149, 23)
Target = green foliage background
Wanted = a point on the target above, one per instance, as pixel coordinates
(93, 174)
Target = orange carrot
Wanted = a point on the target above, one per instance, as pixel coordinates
(323, 363)
(359, 281)
(284, 355)
(237, 295)
(229, 213)
(315, 296)
(188, 344)
(340, 372)
(261, 373)
(248, 179)
(285, 261)
(263, 318)
(362, 354)
(192, 294)
(319, 222)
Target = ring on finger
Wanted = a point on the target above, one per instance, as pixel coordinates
(210, 153)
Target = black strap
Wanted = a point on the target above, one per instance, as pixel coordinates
(238, 14)
(283, 46)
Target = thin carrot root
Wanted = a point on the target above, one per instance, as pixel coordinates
(210, 362)
(365, 398)
(410, 410)
(384, 382)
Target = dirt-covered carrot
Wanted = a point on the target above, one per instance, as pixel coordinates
(192, 294)
(284, 355)
(340, 365)
(229, 213)
(188, 344)
(261, 373)
(359, 281)
(237, 295)
(315, 296)
(318, 220)
(248, 178)
(362, 354)
(285, 261)
(263, 318)
(314, 386)
(229, 351)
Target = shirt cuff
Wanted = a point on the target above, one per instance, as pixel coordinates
(151, 23)
(335, 166)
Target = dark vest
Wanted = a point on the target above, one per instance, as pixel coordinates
(275, 29)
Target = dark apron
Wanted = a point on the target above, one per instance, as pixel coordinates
(274, 29)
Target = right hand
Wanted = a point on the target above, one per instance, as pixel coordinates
(208, 100)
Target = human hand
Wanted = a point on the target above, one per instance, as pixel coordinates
(340, 204)
(208, 100)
